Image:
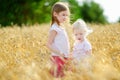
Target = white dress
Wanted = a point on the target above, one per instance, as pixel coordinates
(79, 50)
(61, 41)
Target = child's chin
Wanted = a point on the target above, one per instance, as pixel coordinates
(79, 40)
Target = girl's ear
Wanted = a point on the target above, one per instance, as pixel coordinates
(55, 14)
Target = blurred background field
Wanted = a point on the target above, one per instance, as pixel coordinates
(24, 56)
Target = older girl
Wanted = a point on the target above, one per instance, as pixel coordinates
(58, 42)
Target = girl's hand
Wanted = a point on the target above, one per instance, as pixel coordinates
(62, 55)
(71, 56)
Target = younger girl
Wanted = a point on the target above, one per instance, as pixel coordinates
(82, 47)
(58, 42)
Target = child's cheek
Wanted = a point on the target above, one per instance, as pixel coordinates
(76, 37)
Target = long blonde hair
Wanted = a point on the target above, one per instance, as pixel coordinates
(58, 7)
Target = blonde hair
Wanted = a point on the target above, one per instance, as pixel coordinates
(81, 26)
(58, 7)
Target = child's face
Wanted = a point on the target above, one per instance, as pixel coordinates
(79, 35)
(62, 16)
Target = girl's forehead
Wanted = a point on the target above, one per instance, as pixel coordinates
(64, 12)
(78, 31)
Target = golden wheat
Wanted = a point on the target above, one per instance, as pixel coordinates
(24, 56)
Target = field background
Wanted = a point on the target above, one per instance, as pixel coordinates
(24, 56)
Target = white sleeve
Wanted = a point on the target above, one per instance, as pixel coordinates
(54, 27)
(88, 46)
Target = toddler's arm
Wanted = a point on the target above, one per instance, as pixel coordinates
(89, 51)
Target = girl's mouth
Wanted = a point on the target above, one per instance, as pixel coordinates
(79, 39)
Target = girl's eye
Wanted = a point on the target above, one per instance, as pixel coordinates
(75, 34)
(64, 14)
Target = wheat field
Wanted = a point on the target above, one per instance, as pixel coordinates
(24, 56)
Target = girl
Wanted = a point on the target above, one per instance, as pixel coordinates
(58, 42)
(82, 47)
